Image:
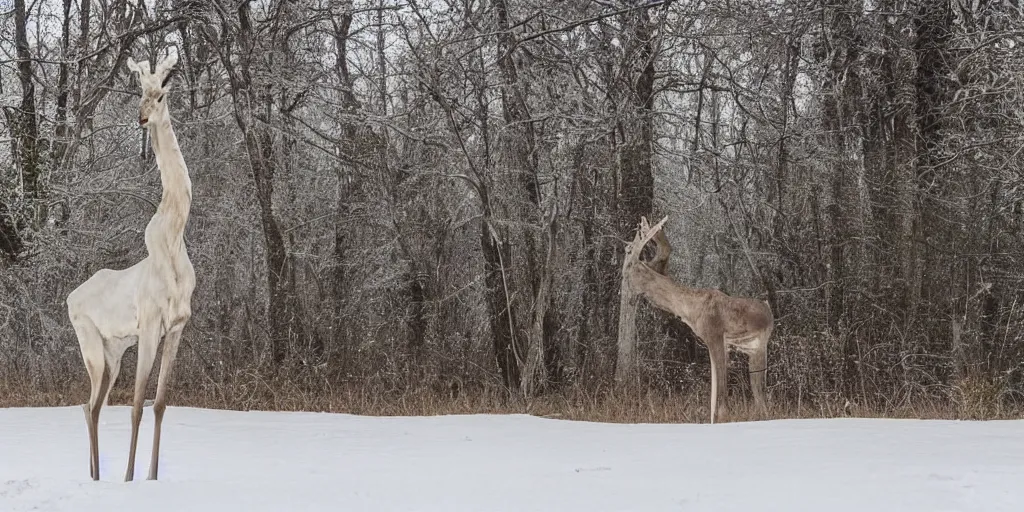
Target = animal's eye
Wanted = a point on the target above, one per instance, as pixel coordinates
(161, 98)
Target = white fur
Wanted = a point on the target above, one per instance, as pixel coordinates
(149, 301)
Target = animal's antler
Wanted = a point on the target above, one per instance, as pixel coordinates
(165, 67)
(651, 231)
(643, 235)
(662, 252)
(140, 68)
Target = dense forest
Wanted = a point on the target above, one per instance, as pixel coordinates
(413, 199)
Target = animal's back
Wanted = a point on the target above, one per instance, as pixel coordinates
(93, 299)
(744, 319)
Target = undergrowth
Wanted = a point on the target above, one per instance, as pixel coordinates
(969, 400)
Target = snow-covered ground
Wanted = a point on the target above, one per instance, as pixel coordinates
(266, 461)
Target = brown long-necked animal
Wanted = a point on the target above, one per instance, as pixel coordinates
(721, 321)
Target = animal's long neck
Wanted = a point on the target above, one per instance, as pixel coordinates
(668, 295)
(172, 214)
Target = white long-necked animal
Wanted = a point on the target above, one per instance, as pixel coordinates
(150, 301)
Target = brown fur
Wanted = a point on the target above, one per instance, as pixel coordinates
(719, 320)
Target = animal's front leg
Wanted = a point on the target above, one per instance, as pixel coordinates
(171, 342)
(148, 341)
(719, 373)
(758, 368)
(91, 343)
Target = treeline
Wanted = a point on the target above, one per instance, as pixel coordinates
(434, 197)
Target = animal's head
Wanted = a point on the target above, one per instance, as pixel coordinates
(153, 105)
(645, 233)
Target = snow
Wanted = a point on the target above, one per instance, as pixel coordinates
(274, 461)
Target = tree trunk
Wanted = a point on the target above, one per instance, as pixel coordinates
(626, 361)
(520, 141)
(260, 147)
(502, 319)
(629, 295)
(636, 187)
(635, 191)
(10, 233)
(26, 130)
(840, 52)
(61, 131)
(540, 347)
(349, 187)
(81, 49)
(254, 107)
(890, 143)
(939, 220)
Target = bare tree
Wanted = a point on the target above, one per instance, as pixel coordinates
(431, 198)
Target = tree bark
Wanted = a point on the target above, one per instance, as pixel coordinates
(626, 361)
(10, 233)
(253, 101)
(636, 192)
(349, 186)
(525, 204)
(502, 319)
(938, 221)
(839, 51)
(82, 49)
(260, 146)
(540, 347)
(27, 127)
(629, 295)
(61, 131)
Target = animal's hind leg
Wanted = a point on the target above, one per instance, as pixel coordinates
(114, 367)
(758, 366)
(171, 342)
(91, 343)
(148, 341)
(719, 372)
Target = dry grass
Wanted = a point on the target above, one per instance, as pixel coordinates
(644, 406)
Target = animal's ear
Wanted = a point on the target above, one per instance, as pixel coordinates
(166, 69)
(169, 62)
(167, 78)
(140, 68)
(134, 66)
